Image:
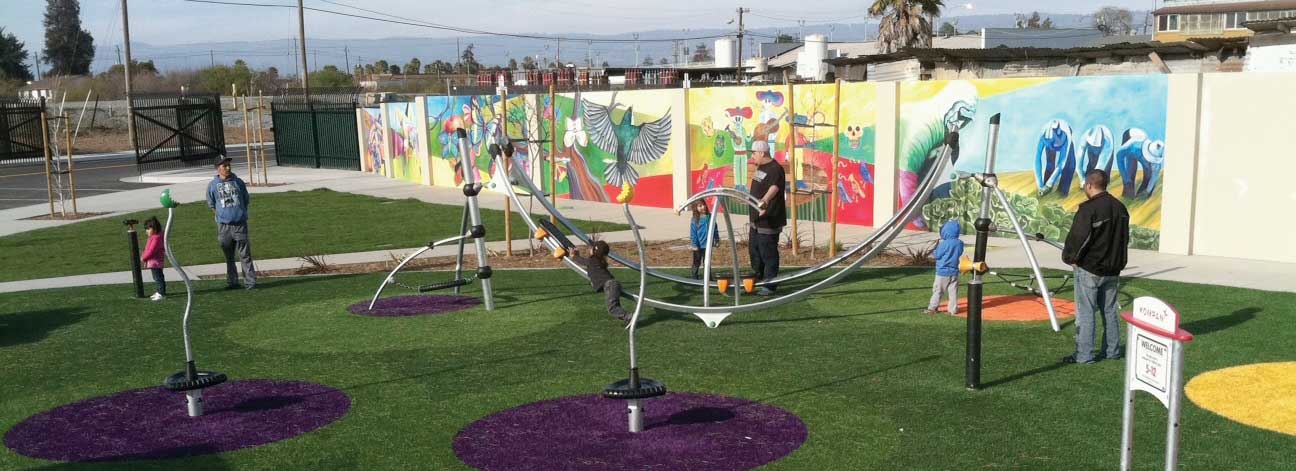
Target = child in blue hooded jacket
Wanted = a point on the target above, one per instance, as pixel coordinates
(947, 254)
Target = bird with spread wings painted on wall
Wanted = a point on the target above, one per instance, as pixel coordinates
(632, 144)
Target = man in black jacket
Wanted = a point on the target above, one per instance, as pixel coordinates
(769, 185)
(1097, 247)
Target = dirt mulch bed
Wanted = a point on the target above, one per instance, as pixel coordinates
(664, 254)
(63, 217)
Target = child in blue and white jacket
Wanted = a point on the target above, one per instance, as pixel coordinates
(947, 254)
(698, 235)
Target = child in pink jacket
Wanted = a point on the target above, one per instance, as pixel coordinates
(154, 251)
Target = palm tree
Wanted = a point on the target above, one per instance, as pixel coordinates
(904, 23)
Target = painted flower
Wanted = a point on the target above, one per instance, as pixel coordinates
(575, 133)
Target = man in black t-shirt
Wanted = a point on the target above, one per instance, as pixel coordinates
(768, 184)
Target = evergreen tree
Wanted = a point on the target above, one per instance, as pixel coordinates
(13, 58)
(68, 48)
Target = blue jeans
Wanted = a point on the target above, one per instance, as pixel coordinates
(1093, 293)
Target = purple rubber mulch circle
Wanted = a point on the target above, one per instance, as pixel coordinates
(403, 306)
(152, 423)
(682, 431)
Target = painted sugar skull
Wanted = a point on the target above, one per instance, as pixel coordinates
(854, 134)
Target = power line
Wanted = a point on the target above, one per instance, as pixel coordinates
(429, 25)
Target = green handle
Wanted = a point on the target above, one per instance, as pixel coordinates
(166, 200)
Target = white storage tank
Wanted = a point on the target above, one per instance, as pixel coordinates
(810, 61)
(757, 65)
(726, 53)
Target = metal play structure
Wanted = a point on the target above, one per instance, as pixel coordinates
(476, 231)
(861, 253)
(191, 381)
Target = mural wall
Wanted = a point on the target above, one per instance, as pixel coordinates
(605, 139)
(856, 135)
(371, 155)
(478, 115)
(722, 123)
(1052, 131)
(406, 137)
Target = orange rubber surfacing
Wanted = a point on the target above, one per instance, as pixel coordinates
(1258, 395)
(1015, 308)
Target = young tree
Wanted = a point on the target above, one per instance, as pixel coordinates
(138, 69)
(395, 70)
(1033, 21)
(381, 66)
(1113, 20)
(528, 63)
(784, 38)
(648, 61)
(13, 58)
(469, 60)
(948, 29)
(413, 66)
(663, 61)
(68, 48)
(904, 23)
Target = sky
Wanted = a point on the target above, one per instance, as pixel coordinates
(171, 22)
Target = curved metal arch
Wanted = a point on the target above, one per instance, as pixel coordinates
(908, 212)
(896, 220)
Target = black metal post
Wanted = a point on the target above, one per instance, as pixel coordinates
(136, 275)
(972, 376)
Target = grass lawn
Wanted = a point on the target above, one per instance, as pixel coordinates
(878, 385)
(315, 222)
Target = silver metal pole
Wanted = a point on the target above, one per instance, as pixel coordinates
(733, 247)
(706, 257)
(1127, 415)
(1176, 395)
(474, 214)
(636, 409)
(1030, 255)
(166, 244)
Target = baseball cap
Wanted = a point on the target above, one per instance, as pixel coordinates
(223, 161)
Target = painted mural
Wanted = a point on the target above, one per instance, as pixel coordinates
(606, 139)
(722, 124)
(856, 135)
(372, 159)
(1052, 131)
(478, 115)
(406, 163)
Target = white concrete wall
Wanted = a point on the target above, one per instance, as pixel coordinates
(1245, 195)
(885, 152)
(1180, 187)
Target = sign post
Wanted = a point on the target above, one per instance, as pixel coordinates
(1154, 363)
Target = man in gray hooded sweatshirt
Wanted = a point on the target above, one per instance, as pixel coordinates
(227, 196)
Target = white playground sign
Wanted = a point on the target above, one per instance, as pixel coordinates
(1154, 364)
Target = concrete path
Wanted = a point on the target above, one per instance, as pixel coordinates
(659, 224)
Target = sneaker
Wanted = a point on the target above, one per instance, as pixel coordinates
(763, 291)
(1071, 359)
(929, 311)
(250, 287)
(233, 286)
(157, 297)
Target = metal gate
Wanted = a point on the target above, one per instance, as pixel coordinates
(20, 131)
(177, 130)
(319, 132)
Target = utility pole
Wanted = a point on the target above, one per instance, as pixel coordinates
(126, 72)
(558, 55)
(347, 53)
(212, 54)
(301, 32)
(315, 58)
(118, 55)
(738, 71)
(636, 37)
(294, 57)
(458, 53)
(37, 63)
(589, 60)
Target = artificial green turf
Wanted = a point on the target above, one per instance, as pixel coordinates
(317, 222)
(878, 385)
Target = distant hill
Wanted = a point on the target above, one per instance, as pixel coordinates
(493, 50)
